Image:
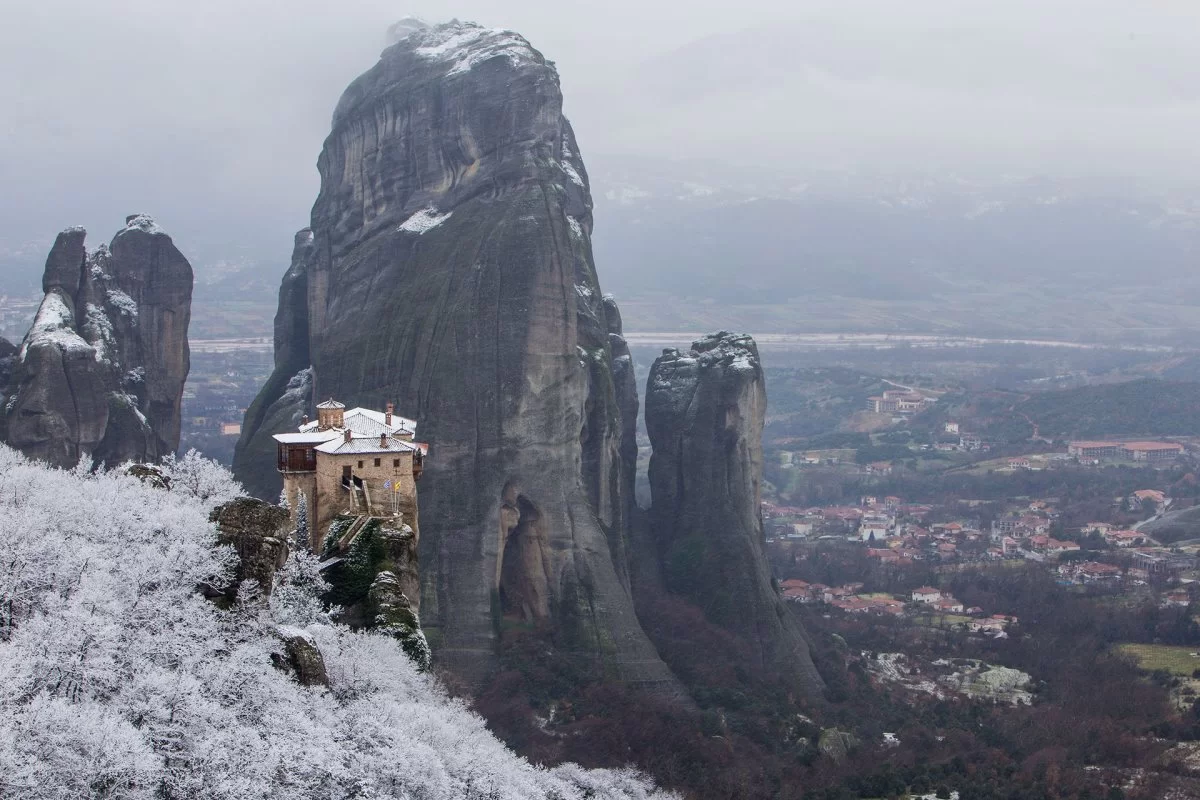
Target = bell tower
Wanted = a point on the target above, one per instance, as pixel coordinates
(330, 414)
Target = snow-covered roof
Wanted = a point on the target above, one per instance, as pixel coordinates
(331, 403)
(359, 416)
(368, 444)
(367, 422)
(311, 437)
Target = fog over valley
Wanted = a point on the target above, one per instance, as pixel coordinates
(895, 161)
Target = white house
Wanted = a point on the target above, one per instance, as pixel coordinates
(926, 594)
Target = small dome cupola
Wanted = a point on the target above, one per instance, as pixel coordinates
(330, 414)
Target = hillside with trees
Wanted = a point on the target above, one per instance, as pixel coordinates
(120, 679)
(1147, 407)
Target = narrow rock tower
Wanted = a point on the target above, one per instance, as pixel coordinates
(448, 267)
(101, 372)
(705, 410)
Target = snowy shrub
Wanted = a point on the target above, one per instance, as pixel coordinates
(202, 478)
(118, 680)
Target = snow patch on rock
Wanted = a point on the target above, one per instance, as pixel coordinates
(97, 328)
(424, 220)
(572, 173)
(142, 222)
(97, 260)
(122, 302)
(468, 45)
(54, 324)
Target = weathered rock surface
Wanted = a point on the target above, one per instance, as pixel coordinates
(378, 547)
(101, 372)
(301, 657)
(450, 271)
(259, 535)
(704, 412)
(287, 395)
(393, 613)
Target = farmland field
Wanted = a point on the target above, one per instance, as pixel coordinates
(1181, 661)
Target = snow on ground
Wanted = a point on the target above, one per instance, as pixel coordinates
(627, 195)
(975, 679)
(115, 672)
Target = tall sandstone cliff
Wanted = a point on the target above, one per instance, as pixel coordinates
(101, 372)
(448, 268)
(704, 412)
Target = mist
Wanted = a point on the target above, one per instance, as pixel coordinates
(210, 116)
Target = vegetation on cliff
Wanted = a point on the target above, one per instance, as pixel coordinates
(119, 679)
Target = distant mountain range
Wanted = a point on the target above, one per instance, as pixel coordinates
(774, 250)
(761, 238)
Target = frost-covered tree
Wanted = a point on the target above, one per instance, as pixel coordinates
(202, 478)
(302, 522)
(296, 598)
(118, 679)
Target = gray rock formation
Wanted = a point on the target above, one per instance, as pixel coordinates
(450, 270)
(704, 413)
(258, 533)
(301, 657)
(394, 614)
(287, 395)
(361, 555)
(101, 372)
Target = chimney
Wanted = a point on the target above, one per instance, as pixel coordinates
(304, 420)
(347, 435)
(388, 418)
(383, 440)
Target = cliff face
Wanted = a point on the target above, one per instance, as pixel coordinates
(704, 413)
(450, 270)
(101, 372)
(287, 395)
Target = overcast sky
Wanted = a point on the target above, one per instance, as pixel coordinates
(210, 115)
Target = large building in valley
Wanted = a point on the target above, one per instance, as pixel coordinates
(1136, 451)
(358, 462)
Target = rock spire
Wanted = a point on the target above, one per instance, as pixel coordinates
(100, 374)
(448, 268)
(705, 410)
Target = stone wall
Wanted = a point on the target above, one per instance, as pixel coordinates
(333, 500)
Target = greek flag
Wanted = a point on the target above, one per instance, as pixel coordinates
(387, 484)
